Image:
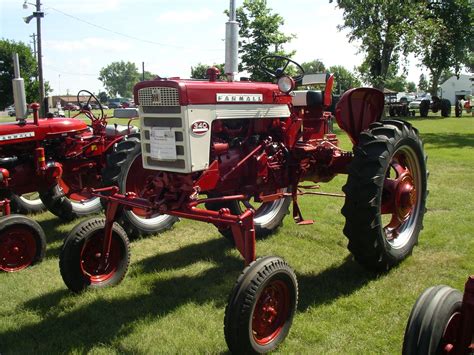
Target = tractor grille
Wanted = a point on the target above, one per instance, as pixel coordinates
(158, 96)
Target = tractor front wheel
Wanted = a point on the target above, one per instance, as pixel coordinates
(126, 170)
(434, 322)
(385, 194)
(424, 108)
(261, 306)
(22, 243)
(82, 262)
(445, 108)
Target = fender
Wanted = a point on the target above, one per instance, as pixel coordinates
(357, 109)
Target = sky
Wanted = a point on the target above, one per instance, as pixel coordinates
(81, 37)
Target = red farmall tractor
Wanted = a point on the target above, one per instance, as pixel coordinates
(59, 158)
(235, 154)
(442, 322)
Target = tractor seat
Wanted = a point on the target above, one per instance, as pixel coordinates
(120, 129)
(308, 98)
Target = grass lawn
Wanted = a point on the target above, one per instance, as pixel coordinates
(174, 295)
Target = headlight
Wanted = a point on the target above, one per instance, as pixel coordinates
(286, 84)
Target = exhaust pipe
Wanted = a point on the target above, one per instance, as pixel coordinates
(19, 96)
(231, 44)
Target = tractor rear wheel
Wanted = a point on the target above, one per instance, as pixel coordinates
(22, 243)
(261, 306)
(267, 219)
(424, 108)
(445, 108)
(385, 194)
(68, 202)
(24, 204)
(126, 170)
(433, 322)
(80, 259)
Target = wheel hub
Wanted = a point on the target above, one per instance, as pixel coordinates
(271, 311)
(17, 249)
(405, 196)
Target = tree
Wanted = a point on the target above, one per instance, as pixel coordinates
(411, 86)
(260, 35)
(423, 83)
(200, 70)
(313, 67)
(102, 96)
(28, 71)
(444, 37)
(384, 29)
(343, 79)
(119, 78)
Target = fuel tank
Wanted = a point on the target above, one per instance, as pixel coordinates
(47, 128)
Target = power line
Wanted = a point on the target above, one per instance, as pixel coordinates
(68, 73)
(131, 37)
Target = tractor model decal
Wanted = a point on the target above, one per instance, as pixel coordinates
(200, 127)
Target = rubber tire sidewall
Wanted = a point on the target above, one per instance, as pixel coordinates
(362, 207)
(69, 258)
(429, 318)
(238, 313)
(38, 233)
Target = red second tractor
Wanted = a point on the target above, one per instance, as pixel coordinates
(235, 154)
(59, 158)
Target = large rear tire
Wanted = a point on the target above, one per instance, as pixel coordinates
(79, 261)
(385, 194)
(433, 321)
(28, 203)
(69, 206)
(267, 219)
(424, 108)
(261, 307)
(125, 169)
(22, 243)
(445, 108)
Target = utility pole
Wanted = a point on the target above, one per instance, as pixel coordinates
(33, 36)
(38, 14)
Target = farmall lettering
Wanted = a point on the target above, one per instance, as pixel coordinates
(239, 97)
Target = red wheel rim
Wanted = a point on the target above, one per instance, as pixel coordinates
(92, 264)
(271, 312)
(450, 335)
(17, 248)
(401, 196)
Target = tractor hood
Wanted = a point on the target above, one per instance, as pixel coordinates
(13, 132)
(200, 92)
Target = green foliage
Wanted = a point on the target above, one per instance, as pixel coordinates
(396, 83)
(103, 97)
(343, 79)
(119, 78)
(411, 86)
(28, 71)
(200, 70)
(444, 37)
(148, 75)
(313, 67)
(260, 35)
(384, 29)
(423, 83)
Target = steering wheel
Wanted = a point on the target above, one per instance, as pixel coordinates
(86, 108)
(279, 72)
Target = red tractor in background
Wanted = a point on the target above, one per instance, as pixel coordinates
(59, 158)
(234, 154)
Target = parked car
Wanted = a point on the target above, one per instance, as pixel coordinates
(414, 105)
(71, 107)
(11, 110)
(115, 105)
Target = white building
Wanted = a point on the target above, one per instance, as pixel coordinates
(454, 87)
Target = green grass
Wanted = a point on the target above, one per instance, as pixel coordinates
(174, 295)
